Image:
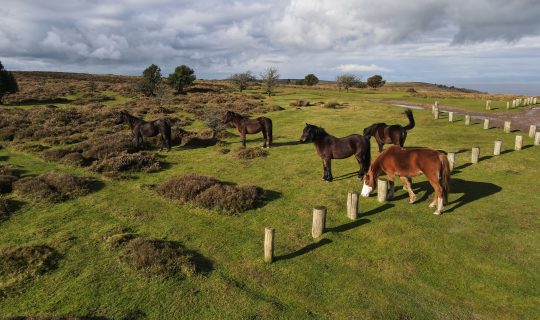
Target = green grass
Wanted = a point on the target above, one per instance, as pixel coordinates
(480, 260)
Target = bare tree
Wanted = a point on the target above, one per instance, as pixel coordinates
(270, 78)
(347, 80)
(242, 80)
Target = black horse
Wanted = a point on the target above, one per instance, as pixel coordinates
(141, 128)
(329, 147)
(394, 134)
(244, 125)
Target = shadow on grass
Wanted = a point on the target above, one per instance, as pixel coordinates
(472, 191)
(348, 226)
(310, 247)
(286, 143)
(196, 143)
(4, 158)
(346, 176)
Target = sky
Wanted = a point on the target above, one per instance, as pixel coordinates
(450, 42)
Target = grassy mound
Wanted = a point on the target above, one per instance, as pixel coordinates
(158, 257)
(53, 187)
(210, 193)
(248, 153)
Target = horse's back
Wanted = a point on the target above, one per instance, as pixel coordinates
(410, 159)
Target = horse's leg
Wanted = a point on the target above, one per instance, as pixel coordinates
(390, 176)
(265, 136)
(329, 168)
(407, 186)
(325, 171)
(434, 181)
(243, 135)
(162, 142)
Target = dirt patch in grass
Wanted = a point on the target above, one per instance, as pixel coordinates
(210, 193)
(159, 257)
(54, 187)
(248, 153)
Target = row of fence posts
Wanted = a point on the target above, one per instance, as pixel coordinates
(516, 103)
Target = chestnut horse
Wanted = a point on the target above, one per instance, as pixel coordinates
(244, 125)
(140, 128)
(409, 162)
(329, 147)
(394, 134)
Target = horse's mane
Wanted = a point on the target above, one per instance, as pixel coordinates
(318, 131)
(370, 130)
(239, 115)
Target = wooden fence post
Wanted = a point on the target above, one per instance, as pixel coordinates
(451, 159)
(467, 120)
(519, 143)
(537, 139)
(382, 190)
(475, 154)
(352, 205)
(486, 124)
(436, 113)
(268, 244)
(488, 105)
(507, 105)
(497, 148)
(507, 126)
(319, 221)
(532, 131)
(450, 116)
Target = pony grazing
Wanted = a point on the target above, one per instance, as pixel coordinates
(140, 128)
(244, 125)
(394, 134)
(409, 162)
(329, 147)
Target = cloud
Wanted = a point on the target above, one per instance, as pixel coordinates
(219, 37)
(353, 67)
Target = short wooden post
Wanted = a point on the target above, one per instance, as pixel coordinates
(488, 105)
(497, 148)
(450, 116)
(514, 103)
(519, 143)
(319, 221)
(535, 100)
(268, 244)
(436, 113)
(486, 124)
(451, 159)
(352, 205)
(382, 190)
(507, 127)
(436, 104)
(475, 154)
(467, 120)
(433, 109)
(532, 131)
(537, 139)
(507, 105)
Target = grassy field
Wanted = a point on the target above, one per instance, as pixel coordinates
(479, 260)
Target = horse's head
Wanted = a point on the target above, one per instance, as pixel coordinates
(121, 117)
(228, 117)
(368, 132)
(307, 134)
(369, 184)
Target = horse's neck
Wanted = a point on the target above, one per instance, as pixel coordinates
(133, 121)
(322, 138)
(376, 168)
(237, 120)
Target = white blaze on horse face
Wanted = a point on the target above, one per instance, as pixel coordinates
(366, 190)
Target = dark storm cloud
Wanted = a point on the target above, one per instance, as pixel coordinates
(220, 37)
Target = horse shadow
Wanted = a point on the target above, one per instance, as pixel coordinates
(286, 143)
(308, 248)
(472, 191)
(346, 176)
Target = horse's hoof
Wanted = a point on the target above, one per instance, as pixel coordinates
(438, 213)
(432, 205)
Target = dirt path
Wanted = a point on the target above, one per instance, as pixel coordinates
(521, 120)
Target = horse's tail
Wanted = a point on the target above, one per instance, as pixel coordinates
(366, 156)
(409, 115)
(444, 175)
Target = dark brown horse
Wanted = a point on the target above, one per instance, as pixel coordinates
(394, 134)
(410, 162)
(329, 147)
(140, 128)
(244, 125)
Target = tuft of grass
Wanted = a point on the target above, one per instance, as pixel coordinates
(331, 104)
(229, 199)
(185, 188)
(129, 162)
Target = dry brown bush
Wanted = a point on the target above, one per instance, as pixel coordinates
(229, 199)
(27, 261)
(158, 257)
(74, 159)
(6, 169)
(248, 153)
(185, 188)
(129, 162)
(53, 187)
